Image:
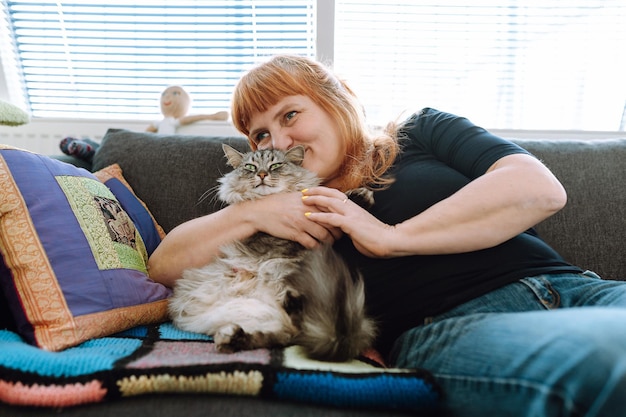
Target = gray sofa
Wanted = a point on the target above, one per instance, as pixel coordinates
(171, 173)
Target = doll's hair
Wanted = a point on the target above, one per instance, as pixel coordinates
(368, 155)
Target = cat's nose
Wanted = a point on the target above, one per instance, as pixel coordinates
(262, 175)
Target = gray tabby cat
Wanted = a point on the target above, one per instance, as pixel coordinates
(265, 291)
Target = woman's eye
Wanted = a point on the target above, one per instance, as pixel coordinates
(249, 167)
(261, 137)
(275, 166)
(290, 115)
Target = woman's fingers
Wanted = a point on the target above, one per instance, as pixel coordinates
(326, 199)
(291, 223)
(336, 211)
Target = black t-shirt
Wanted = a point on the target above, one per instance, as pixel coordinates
(441, 153)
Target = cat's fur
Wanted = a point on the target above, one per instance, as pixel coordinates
(265, 291)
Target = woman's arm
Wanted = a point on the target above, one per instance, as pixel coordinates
(515, 193)
(195, 243)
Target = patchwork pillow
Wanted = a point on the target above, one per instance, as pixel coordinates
(74, 252)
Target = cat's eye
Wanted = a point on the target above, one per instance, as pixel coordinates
(275, 166)
(249, 167)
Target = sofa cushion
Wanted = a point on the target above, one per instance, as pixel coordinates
(170, 173)
(74, 262)
(589, 232)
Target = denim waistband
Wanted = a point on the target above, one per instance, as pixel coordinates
(516, 296)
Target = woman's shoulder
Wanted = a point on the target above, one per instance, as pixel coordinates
(420, 125)
(429, 115)
(453, 140)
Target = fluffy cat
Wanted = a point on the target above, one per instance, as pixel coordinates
(266, 291)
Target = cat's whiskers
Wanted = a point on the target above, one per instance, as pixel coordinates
(211, 192)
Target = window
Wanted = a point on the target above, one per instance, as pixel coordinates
(113, 58)
(506, 64)
(536, 64)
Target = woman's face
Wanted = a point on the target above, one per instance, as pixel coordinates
(297, 120)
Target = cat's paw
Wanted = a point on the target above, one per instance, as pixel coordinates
(232, 338)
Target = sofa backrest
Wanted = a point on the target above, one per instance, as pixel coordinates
(590, 231)
(171, 173)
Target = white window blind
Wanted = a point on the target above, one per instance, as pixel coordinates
(113, 58)
(535, 64)
(507, 64)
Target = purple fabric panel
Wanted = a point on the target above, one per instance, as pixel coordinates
(86, 288)
(59, 232)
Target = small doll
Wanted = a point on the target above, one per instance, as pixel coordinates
(175, 103)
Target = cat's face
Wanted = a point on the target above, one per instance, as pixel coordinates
(264, 172)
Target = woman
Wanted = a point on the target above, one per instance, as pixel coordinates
(455, 275)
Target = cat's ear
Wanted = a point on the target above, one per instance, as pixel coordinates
(233, 156)
(295, 154)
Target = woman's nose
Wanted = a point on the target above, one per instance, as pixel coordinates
(281, 140)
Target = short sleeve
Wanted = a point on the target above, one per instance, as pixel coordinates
(456, 141)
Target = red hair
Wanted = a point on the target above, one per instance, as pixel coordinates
(367, 156)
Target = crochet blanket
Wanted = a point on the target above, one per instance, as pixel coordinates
(164, 359)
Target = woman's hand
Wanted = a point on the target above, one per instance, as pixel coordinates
(283, 216)
(335, 210)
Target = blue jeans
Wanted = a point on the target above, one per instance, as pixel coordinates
(550, 345)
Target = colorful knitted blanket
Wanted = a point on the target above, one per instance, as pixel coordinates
(163, 359)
